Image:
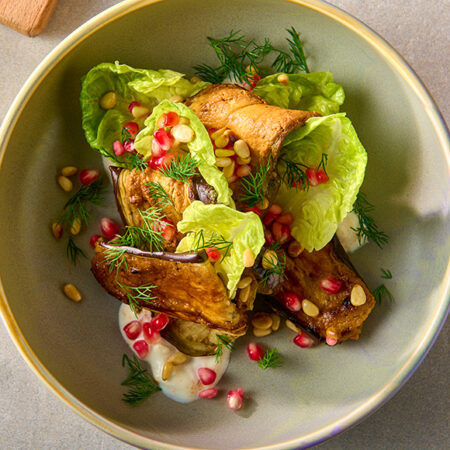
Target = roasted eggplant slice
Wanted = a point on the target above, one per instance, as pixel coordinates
(338, 318)
(186, 287)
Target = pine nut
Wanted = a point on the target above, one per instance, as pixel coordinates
(264, 204)
(184, 121)
(57, 230)
(75, 227)
(331, 333)
(228, 171)
(275, 322)
(358, 296)
(139, 111)
(309, 308)
(176, 99)
(224, 153)
(261, 333)
(243, 161)
(244, 294)
(223, 162)
(294, 249)
(109, 100)
(244, 282)
(248, 257)
(283, 79)
(68, 171)
(177, 358)
(291, 326)
(166, 371)
(243, 171)
(262, 321)
(241, 149)
(183, 133)
(218, 133)
(270, 259)
(71, 292)
(221, 141)
(65, 183)
(196, 80)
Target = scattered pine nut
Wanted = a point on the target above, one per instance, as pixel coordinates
(262, 321)
(264, 204)
(244, 294)
(291, 326)
(309, 308)
(183, 133)
(166, 371)
(57, 230)
(139, 111)
(65, 183)
(177, 358)
(283, 79)
(261, 333)
(176, 99)
(358, 296)
(331, 333)
(221, 141)
(270, 259)
(241, 149)
(295, 249)
(249, 259)
(71, 292)
(243, 161)
(184, 121)
(68, 171)
(244, 282)
(224, 153)
(223, 162)
(276, 319)
(75, 227)
(108, 100)
(228, 171)
(196, 79)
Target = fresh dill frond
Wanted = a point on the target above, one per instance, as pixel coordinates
(386, 274)
(159, 194)
(270, 360)
(223, 341)
(181, 169)
(382, 293)
(141, 384)
(135, 162)
(252, 186)
(137, 294)
(295, 174)
(296, 49)
(323, 163)
(73, 251)
(210, 74)
(125, 134)
(216, 241)
(367, 229)
(128, 161)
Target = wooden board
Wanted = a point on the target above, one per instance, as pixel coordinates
(29, 17)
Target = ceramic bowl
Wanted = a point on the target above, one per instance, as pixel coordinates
(76, 348)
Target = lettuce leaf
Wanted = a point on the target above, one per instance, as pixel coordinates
(243, 230)
(148, 87)
(200, 147)
(313, 91)
(318, 210)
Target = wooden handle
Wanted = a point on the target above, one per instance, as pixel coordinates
(29, 17)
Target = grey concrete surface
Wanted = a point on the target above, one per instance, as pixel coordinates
(31, 417)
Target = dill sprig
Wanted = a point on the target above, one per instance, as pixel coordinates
(236, 53)
(386, 274)
(159, 194)
(270, 360)
(252, 186)
(223, 341)
(381, 292)
(277, 268)
(295, 174)
(367, 229)
(323, 163)
(181, 169)
(73, 251)
(128, 161)
(215, 240)
(140, 382)
(137, 294)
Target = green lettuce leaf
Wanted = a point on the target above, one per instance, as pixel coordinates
(318, 210)
(313, 91)
(243, 230)
(200, 147)
(148, 87)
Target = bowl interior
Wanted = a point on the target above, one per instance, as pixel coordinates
(80, 344)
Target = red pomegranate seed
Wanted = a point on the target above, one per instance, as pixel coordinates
(269, 218)
(269, 238)
(118, 148)
(330, 341)
(170, 119)
(254, 209)
(322, 177)
(303, 340)
(141, 347)
(286, 219)
(132, 105)
(285, 234)
(208, 393)
(132, 128)
(232, 179)
(207, 376)
(275, 209)
(160, 322)
(157, 151)
(234, 399)
(166, 228)
(165, 141)
(292, 301)
(311, 174)
(93, 240)
(277, 230)
(331, 285)
(132, 329)
(88, 176)
(150, 334)
(213, 254)
(109, 228)
(128, 145)
(255, 352)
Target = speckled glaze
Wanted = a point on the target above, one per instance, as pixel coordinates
(76, 349)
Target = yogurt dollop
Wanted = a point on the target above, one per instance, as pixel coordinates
(184, 384)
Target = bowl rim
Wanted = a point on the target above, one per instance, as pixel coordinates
(438, 317)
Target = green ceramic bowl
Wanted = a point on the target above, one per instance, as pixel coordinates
(76, 348)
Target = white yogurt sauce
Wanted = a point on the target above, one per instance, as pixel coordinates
(183, 385)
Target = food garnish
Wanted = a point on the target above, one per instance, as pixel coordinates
(270, 360)
(159, 194)
(223, 341)
(253, 185)
(214, 241)
(274, 262)
(181, 168)
(73, 251)
(381, 292)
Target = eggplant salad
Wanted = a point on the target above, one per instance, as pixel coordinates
(237, 188)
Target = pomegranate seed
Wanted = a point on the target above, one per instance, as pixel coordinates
(128, 145)
(277, 230)
(157, 151)
(234, 399)
(311, 174)
(303, 340)
(254, 209)
(275, 209)
(88, 176)
(132, 105)
(166, 228)
(93, 240)
(208, 393)
(286, 219)
(322, 177)
(118, 148)
(213, 254)
(160, 322)
(269, 238)
(331, 285)
(170, 119)
(132, 128)
(232, 179)
(268, 219)
(150, 334)
(141, 347)
(292, 301)
(109, 228)
(255, 352)
(254, 80)
(285, 234)
(132, 329)
(207, 376)
(330, 341)
(164, 140)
